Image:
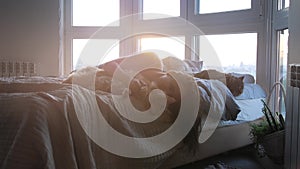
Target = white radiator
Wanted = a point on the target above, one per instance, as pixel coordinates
(11, 68)
(292, 142)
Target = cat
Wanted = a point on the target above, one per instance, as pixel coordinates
(234, 84)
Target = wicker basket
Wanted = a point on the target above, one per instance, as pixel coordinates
(273, 145)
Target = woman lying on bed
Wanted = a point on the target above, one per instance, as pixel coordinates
(143, 82)
(216, 100)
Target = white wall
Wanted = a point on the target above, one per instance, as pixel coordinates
(294, 32)
(29, 31)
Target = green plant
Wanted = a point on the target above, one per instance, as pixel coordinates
(258, 131)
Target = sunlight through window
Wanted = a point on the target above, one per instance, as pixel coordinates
(93, 58)
(215, 6)
(167, 45)
(169, 8)
(96, 12)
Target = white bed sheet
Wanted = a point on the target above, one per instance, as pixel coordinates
(251, 109)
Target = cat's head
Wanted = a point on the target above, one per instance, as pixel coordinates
(235, 84)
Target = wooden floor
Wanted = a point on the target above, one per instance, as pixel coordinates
(243, 158)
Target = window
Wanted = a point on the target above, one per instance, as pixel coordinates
(216, 6)
(165, 46)
(96, 12)
(84, 18)
(168, 8)
(236, 52)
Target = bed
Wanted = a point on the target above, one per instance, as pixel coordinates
(41, 128)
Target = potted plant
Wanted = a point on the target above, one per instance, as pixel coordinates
(269, 134)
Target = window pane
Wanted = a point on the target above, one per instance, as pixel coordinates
(283, 4)
(283, 53)
(215, 6)
(236, 52)
(169, 8)
(167, 45)
(282, 59)
(287, 4)
(93, 57)
(95, 12)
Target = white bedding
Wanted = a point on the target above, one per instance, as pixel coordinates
(251, 109)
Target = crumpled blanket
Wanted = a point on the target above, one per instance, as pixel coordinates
(40, 128)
